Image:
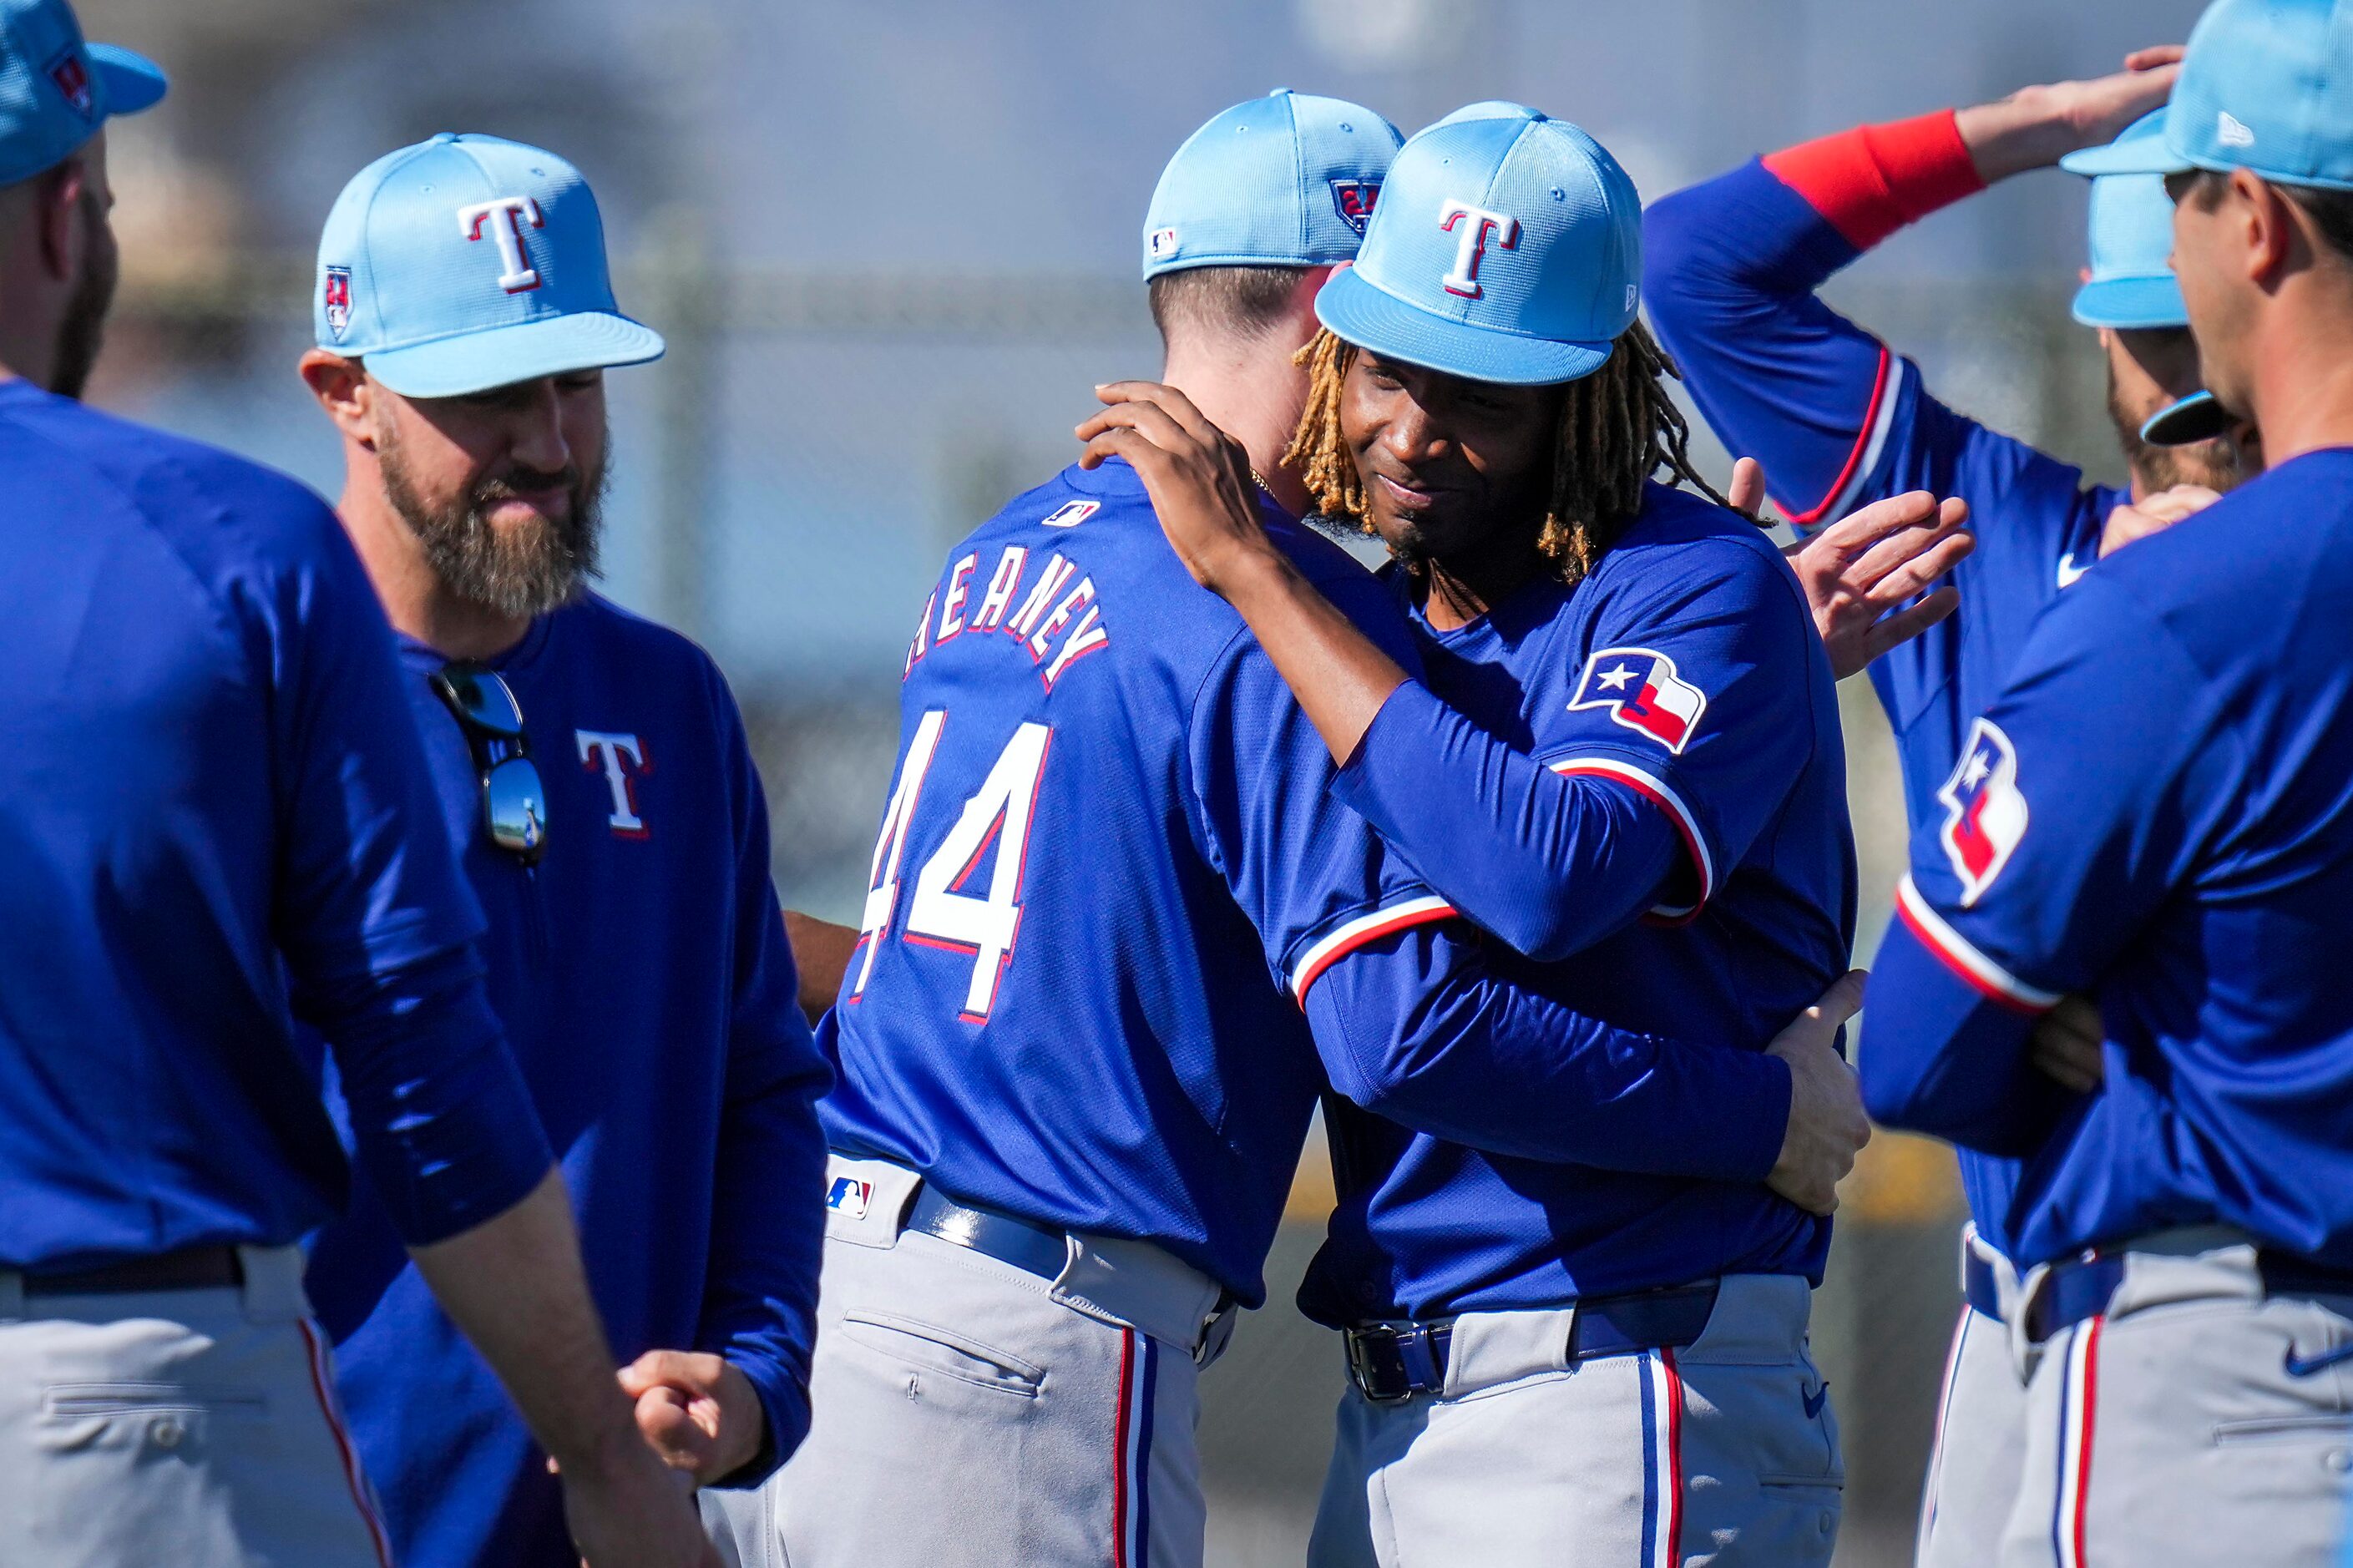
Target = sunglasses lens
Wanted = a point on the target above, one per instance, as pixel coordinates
(484, 699)
(515, 809)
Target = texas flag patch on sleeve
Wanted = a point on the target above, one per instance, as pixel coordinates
(1642, 690)
(1984, 814)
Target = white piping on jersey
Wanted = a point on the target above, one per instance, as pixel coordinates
(1660, 794)
(1356, 933)
(1975, 967)
(1875, 447)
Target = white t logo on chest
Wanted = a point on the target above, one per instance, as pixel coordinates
(623, 760)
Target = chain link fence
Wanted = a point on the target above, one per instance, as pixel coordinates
(787, 482)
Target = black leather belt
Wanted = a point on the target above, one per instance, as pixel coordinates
(190, 1268)
(1390, 1363)
(1003, 1237)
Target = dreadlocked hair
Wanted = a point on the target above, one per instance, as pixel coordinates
(1617, 428)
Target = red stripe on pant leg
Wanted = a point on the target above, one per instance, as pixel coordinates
(1118, 1450)
(2083, 1440)
(1673, 1401)
(351, 1472)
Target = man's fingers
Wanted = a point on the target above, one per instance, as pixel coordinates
(1148, 418)
(672, 1369)
(1180, 408)
(2154, 56)
(1897, 548)
(1910, 578)
(1843, 1000)
(1122, 442)
(1861, 529)
(1908, 623)
(1748, 491)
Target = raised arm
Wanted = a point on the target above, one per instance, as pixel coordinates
(1731, 267)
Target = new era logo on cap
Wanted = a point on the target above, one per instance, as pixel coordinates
(2230, 130)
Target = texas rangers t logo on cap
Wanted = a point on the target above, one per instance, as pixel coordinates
(507, 214)
(1471, 242)
(1985, 815)
(1642, 691)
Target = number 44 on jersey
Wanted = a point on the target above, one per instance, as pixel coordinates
(943, 913)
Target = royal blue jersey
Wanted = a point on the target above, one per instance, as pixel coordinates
(1641, 783)
(1840, 421)
(1109, 872)
(643, 976)
(214, 818)
(2158, 811)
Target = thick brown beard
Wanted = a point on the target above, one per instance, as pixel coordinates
(525, 571)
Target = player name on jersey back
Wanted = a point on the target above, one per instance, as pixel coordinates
(1047, 607)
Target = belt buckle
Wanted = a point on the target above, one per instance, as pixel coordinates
(1362, 1372)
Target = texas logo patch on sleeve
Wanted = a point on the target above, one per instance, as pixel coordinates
(1985, 815)
(1642, 691)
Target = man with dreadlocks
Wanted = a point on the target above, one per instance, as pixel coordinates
(1626, 765)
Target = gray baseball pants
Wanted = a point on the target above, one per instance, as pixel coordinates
(1980, 1445)
(969, 1414)
(2200, 1420)
(1722, 1452)
(193, 1428)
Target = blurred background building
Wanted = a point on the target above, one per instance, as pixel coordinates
(893, 245)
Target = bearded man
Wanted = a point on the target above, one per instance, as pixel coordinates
(594, 767)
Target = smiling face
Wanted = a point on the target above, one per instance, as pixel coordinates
(1449, 466)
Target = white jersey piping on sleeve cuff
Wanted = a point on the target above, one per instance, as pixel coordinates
(1981, 974)
(1353, 935)
(1659, 792)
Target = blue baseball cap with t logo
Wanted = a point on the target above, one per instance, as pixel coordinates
(1287, 180)
(55, 89)
(2132, 282)
(1507, 248)
(2267, 86)
(468, 262)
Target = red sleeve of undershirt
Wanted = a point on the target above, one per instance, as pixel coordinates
(1872, 180)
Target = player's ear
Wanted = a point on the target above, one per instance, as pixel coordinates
(342, 389)
(2264, 219)
(57, 203)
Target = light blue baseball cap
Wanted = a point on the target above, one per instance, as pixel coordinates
(56, 91)
(1287, 180)
(2267, 86)
(2132, 282)
(1507, 248)
(468, 262)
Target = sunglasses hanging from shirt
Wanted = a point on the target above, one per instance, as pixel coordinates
(514, 804)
